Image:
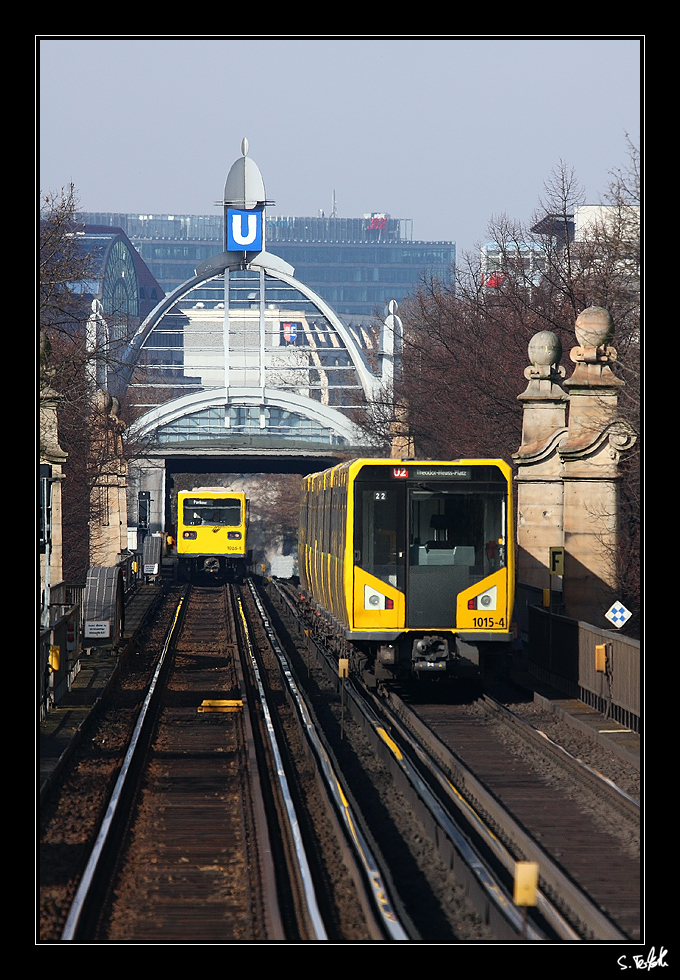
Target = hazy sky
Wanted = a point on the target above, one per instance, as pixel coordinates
(446, 131)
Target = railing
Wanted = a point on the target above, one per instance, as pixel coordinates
(561, 652)
(616, 691)
(57, 670)
(64, 634)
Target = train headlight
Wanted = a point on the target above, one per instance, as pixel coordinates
(485, 600)
(374, 600)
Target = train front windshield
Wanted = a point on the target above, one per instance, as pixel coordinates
(216, 513)
(431, 534)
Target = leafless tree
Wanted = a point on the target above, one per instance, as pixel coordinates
(465, 346)
(72, 358)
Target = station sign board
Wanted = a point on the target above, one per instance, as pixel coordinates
(97, 629)
(557, 561)
(431, 473)
(244, 229)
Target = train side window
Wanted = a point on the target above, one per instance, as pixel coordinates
(378, 534)
(326, 536)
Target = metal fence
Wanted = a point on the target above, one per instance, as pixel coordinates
(60, 642)
(562, 652)
(58, 656)
(616, 691)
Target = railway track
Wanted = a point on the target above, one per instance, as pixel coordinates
(73, 810)
(187, 856)
(381, 843)
(541, 810)
(185, 852)
(544, 806)
(223, 830)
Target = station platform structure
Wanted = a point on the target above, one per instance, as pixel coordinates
(61, 730)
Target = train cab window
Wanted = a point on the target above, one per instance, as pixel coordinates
(456, 538)
(458, 529)
(216, 513)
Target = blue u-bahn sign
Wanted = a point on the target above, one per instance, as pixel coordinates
(244, 230)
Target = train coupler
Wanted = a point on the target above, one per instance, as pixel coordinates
(430, 654)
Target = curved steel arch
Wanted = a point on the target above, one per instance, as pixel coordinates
(135, 345)
(278, 269)
(269, 397)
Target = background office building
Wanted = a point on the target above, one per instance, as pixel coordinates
(356, 265)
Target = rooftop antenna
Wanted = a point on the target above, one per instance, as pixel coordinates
(334, 210)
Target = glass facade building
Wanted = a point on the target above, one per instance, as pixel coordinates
(357, 265)
(276, 337)
(121, 281)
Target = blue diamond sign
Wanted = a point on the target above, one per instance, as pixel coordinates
(618, 614)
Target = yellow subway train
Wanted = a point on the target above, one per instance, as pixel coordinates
(212, 534)
(411, 563)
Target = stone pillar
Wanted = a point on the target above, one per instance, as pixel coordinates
(539, 467)
(108, 509)
(590, 456)
(402, 445)
(53, 455)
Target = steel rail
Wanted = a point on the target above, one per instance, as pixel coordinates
(489, 883)
(547, 745)
(553, 879)
(88, 878)
(376, 883)
(490, 886)
(591, 920)
(546, 908)
(309, 891)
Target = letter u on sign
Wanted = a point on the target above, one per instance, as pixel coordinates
(244, 230)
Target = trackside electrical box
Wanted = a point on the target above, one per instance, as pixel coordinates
(601, 658)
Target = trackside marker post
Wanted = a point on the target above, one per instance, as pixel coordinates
(526, 887)
(343, 672)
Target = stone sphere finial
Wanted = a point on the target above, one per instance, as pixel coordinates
(545, 348)
(594, 327)
(545, 371)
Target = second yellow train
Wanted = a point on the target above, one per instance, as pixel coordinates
(212, 534)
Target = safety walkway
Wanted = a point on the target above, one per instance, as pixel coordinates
(618, 739)
(61, 729)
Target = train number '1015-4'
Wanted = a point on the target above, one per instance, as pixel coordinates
(488, 623)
